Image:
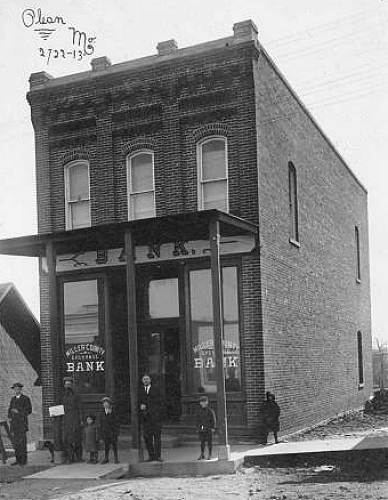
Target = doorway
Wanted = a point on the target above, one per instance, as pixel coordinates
(160, 356)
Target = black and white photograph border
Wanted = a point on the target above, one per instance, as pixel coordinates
(193, 262)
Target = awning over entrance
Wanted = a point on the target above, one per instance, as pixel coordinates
(188, 226)
(208, 225)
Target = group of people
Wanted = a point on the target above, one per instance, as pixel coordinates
(104, 429)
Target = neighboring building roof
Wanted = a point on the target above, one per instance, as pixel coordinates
(20, 323)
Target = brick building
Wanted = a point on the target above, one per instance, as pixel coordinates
(154, 174)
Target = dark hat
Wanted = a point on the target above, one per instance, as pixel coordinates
(204, 398)
(17, 384)
(67, 379)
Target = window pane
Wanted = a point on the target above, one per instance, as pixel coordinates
(202, 374)
(80, 214)
(142, 205)
(142, 178)
(163, 298)
(84, 351)
(213, 160)
(215, 195)
(78, 182)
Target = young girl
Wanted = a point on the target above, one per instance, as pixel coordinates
(90, 439)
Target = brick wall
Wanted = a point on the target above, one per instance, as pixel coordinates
(14, 367)
(312, 304)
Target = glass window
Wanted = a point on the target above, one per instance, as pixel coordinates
(293, 200)
(77, 197)
(163, 298)
(213, 174)
(358, 256)
(202, 376)
(84, 347)
(141, 190)
(360, 359)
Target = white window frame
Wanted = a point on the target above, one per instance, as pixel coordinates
(129, 180)
(68, 201)
(202, 182)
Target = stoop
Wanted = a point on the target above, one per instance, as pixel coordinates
(181, 469)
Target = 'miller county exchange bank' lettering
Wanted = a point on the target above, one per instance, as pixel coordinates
(85, 358)
(151, 253)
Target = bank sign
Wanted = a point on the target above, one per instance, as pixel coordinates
(154, 252)
(85, 358)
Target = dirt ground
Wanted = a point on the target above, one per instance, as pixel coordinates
(325, 482)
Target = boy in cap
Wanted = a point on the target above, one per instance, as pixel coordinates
(206, 424)
(108, 427)
(18, 411)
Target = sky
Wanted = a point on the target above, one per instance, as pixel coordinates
(333, 53)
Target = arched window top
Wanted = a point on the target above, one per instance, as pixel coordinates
(212, 160)
(140, 182)
(77, 194)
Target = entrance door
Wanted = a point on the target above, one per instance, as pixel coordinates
(159, 356)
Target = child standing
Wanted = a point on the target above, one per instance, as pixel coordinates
(109, 429)
(206, 424)
(270, 415)
(90, 439)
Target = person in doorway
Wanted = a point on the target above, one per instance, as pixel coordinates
(72, 433)
(18, 411)
(270, 415)
(90, 439)
(108, 428)
(150, 406)
(206, 425)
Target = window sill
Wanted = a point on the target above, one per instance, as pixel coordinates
(358, 280)
(294, 242)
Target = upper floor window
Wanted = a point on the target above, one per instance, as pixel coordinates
(213, 174)
(293, 201)
(141, 187)
(77, 194)
(358, 254)
(360, 359)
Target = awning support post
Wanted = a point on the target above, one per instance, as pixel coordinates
(56, 343)
(129, 247)
(218, 322)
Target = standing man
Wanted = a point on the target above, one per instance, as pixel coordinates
(151, 418)
(19, 409)
(72, 435)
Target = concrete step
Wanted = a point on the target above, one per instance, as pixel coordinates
(182, 469)
(330, 451)
(82, 471)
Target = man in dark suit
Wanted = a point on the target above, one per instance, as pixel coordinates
(150, 405)
(19, 409)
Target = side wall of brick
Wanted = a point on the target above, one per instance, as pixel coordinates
(312, 304)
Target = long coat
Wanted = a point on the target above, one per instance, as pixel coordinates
(153, 414)
(108, 425)
(19, 420)
(72, 416)
(271, 412)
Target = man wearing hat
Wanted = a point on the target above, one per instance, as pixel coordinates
(72, 436)
(19, 409)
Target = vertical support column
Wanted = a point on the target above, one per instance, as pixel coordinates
(56, 363)
(218, 322)
(129, 247)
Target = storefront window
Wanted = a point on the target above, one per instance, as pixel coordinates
(202, 376)
(163, 298)
(84, 347)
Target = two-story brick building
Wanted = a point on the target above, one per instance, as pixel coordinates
(154, 175)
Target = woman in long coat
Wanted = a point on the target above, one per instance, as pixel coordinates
(72, 433)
